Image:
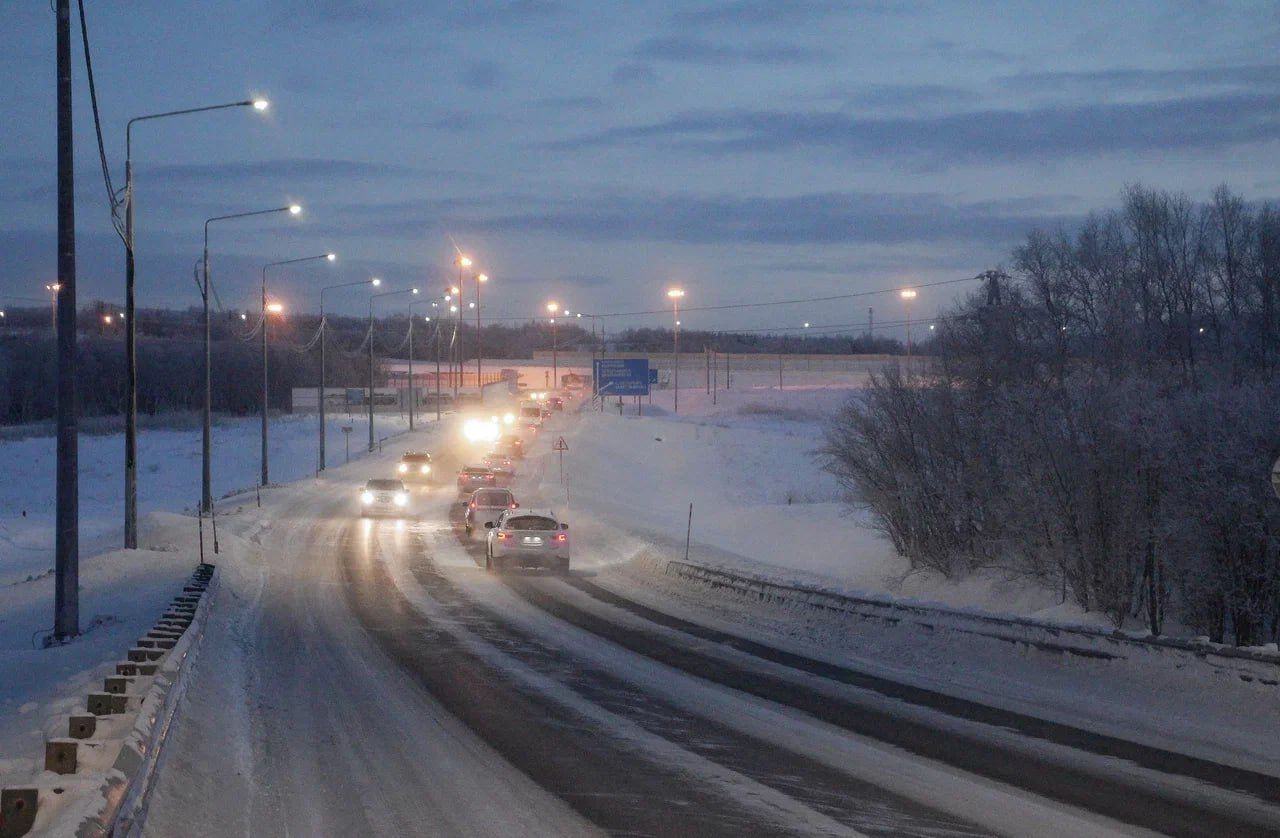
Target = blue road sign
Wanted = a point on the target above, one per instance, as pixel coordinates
(653, 376)
(622, 376)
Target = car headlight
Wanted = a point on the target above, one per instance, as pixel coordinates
(403, 468)
(426, 469)
(401, 499)
(366, 497)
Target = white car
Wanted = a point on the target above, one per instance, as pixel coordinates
(527, 538)
(382, 497)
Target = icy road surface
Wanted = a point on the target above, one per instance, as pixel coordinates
(369, 677)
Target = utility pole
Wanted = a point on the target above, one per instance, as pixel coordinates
(370, 373)
(324, 328)
(411, 368)
(871, 322)
(438, 369)
(66, 596)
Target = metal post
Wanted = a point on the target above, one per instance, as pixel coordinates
(411, 396)
(728, 381)
(479, 383)
(675, 349)
(688, 532)
(438, 370)
(555, 368)
(779, 372)
(323, 336)
(131, 373)
(66, 596)
(206, 417)
(706, 356)
(264, 376)
(371, 445)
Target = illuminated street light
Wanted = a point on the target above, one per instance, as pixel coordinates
(324, 331)
(275, 308)
(552, 308)
(908, 294)
(130, 337)
(294, 209)
(675, 295)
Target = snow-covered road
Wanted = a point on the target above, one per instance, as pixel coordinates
(369, 677)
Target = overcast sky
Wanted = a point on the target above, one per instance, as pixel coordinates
(595, 152)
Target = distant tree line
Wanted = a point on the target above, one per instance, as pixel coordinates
(1102, 422)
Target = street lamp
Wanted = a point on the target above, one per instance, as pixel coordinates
(676, 294)
(373, 297)
(413, 393)
(324, 329)
(206, 475)
(130, 330)
(275, 308)
(552, 308)
(53, 288)
(908, 294)
(480, 280)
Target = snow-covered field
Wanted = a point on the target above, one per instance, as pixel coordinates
(168, 477)
(750, 466)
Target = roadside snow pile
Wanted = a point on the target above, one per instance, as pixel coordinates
(121, 595)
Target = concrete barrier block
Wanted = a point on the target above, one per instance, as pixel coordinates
(166, 643)
(127, 668)
(106, 704)
(137, 655)
(82, 726)
(60, 756)
(145, 643)
(148, 668)
(117, 684)
(18, 807)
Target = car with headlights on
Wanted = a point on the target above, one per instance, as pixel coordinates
(485, 505)
(414, 467)
(471, 478)
(527, 538)
(383, 497)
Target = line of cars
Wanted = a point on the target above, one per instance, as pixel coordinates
(514, 537)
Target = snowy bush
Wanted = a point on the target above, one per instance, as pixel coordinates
(1103, 421)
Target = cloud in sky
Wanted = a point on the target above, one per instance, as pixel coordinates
(690, 50)
(973, 136)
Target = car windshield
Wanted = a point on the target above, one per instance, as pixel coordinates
(475, 472)
(492, 498)
(384, 485)
(531, 522)
(534, 412)
(416, 458)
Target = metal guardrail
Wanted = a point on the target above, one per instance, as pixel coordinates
(1247, 664)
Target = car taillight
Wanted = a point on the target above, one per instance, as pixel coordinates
(514, 505)
(473, 504)
(562, 537)
(502, 535)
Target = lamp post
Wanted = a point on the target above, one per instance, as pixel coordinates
(461, 262)
(675, 294)
(480, 280)
(130, 330)
(908, 294)
(274, 308)
(455, 342)
(324, 333)
(555, 369)
(53, 288)
(373, 297)
(206, 458)
(413, 395)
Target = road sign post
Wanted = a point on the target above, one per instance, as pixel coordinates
(561, 446)
(622, 376)
(346, 434)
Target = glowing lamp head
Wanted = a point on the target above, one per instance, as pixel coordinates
(415, 290)
(261, 105)
(375, 282)
(454, 290)
(453, 309)
(908, 293)
(675, 293)
(294, 209)
(463, 261)
(275, 308)
(106, 318)
(806, 325)
(482, 277)
(331, 256)
(553, 307)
